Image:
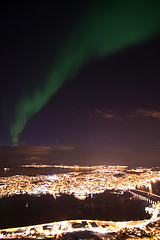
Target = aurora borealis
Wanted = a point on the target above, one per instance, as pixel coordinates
(80, 79)
(105, 28)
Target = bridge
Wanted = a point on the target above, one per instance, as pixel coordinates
(146, 196)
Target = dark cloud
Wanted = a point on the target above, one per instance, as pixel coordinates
(108, 114)
(146, 113)
(35, 159)
(149, 113)
(20, 155)
(63, 148)
(82, 154)
(32, 150)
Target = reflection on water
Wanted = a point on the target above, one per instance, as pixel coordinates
(45, 208)
(156, 188)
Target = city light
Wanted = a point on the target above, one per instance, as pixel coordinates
(95, 180)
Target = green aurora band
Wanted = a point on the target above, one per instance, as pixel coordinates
(105, 27)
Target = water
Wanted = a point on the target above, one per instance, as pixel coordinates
(31, 171)
(43, 209)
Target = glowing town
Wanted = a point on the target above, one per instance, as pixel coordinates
(81, 184)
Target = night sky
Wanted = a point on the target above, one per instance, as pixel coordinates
(80, 82)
